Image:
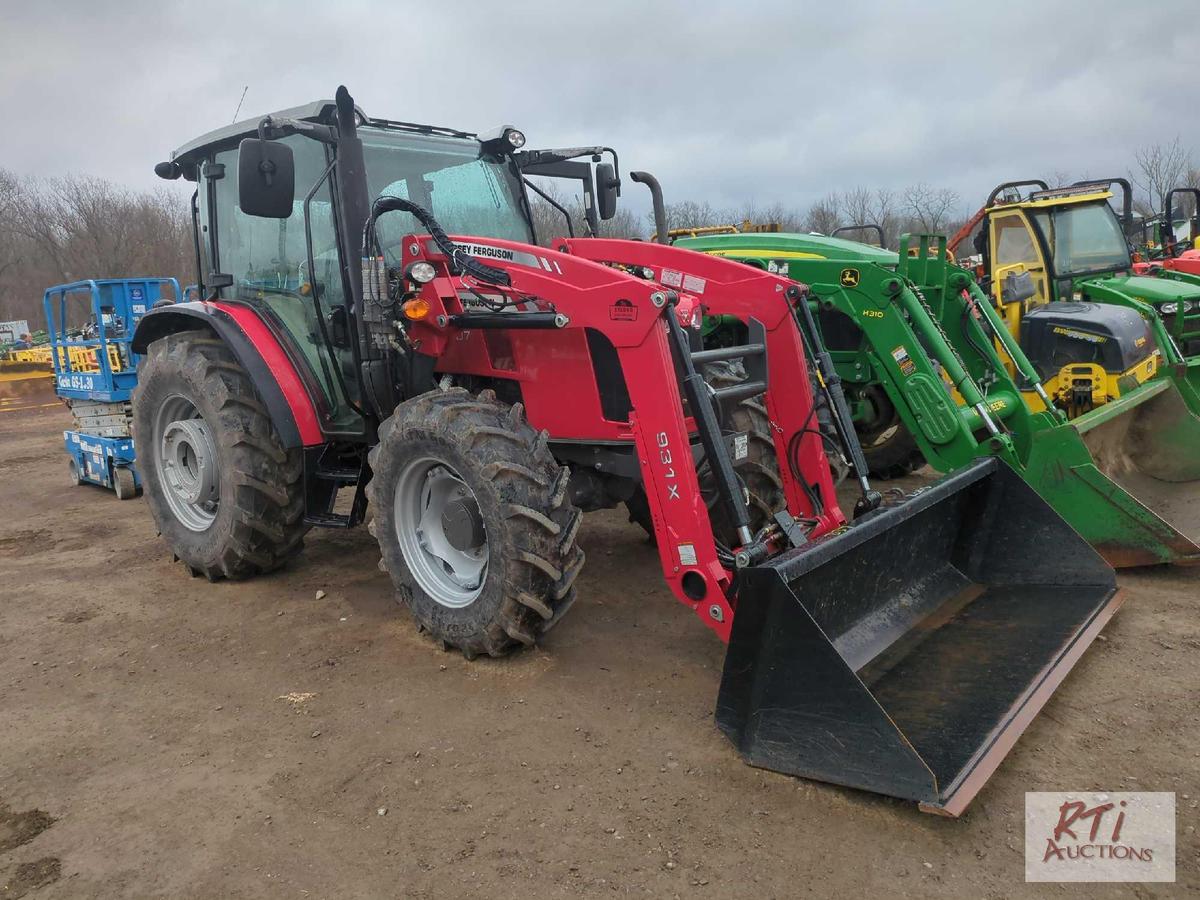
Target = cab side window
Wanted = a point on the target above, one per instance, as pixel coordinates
(1014, 243)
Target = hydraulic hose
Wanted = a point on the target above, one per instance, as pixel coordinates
(831, 385)
(458, 256)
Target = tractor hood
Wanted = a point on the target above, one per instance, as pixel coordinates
(1151, 290)
(788, 245)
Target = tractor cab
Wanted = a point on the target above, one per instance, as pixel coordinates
(1057, 265)
(1034, 247)
(288, 265)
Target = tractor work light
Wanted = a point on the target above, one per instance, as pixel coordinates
(421, 272)
(502, 140)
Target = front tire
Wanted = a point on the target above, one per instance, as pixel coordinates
(758, 470)
(473, 521)
(223, 490)
(123, 483)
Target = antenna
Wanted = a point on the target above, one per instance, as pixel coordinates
(240, 99)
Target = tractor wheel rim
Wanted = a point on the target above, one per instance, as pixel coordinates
(186, 460)
(880, 438)
(440, 532)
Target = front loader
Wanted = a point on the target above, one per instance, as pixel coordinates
(935, 374)
(480, 392)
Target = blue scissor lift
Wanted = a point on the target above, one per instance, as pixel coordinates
(91, 325)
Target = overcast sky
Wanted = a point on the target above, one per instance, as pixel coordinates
(726, 102)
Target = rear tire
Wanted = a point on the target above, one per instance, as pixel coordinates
(524, 526)
(73, 472)
(256, 522)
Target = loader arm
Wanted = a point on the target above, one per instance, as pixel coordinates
(728, 288)
(632, 314)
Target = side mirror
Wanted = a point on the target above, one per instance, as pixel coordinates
(608, 189)
(266, 178)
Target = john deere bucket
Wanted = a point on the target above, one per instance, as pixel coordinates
(1150, 430)
(906, 655)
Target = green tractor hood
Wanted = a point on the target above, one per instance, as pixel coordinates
(784, 245)
(1150, 290)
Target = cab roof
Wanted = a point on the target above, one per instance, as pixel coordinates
(1056, 197)
(317, 111)
(320, 111)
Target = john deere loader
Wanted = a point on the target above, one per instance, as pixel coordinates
(938, 373)
(476, 393)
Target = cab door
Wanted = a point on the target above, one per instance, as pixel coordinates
(1014, 251)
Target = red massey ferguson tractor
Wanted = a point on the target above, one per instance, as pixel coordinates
(482, 392)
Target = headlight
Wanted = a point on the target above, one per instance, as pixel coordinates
(421, 272)
(516, 138)
(1169, 308)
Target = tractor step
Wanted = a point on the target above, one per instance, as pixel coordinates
(328, 520)
(324, 475)
(340, 475)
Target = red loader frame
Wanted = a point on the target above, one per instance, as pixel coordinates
(544, 345)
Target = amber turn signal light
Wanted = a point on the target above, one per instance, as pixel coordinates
(416, 309)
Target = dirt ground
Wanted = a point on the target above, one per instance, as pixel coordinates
(162, 736)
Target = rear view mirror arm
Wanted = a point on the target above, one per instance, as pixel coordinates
(566, 215)
(271, 128)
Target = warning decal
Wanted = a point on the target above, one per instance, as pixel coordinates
(623, 311)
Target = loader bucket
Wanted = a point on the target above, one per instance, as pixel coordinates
(1150, 429)
(906, 655)
(1129, 518)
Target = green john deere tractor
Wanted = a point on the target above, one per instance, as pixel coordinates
(935, 374)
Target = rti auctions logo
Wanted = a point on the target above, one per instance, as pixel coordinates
(1076, 813)
(1087, 836)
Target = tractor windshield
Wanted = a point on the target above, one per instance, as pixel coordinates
(1083, 238)
(467, 191)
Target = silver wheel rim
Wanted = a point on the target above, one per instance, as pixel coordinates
(427, 492)
(884, 436)
(186, 462)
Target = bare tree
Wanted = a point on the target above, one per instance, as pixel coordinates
(825, 215)
(10, 251)
(693, 214)
(931, 208)
(857, 205)
(71, 228)
(1160, 167)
